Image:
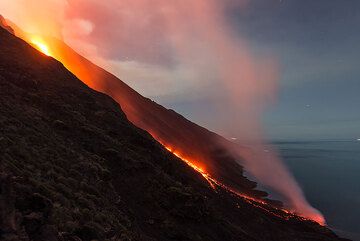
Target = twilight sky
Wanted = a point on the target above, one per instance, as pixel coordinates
(318, 44)
(318, 47)
(223, 64)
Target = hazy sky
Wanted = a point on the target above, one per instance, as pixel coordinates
(319, 47)
(317, 43)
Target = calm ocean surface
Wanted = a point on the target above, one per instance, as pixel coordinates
(329, 173)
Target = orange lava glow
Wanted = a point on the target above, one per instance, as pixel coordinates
(261, 204)
(40, 45)
(212, 182)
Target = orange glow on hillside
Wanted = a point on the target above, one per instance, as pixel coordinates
(56, 49)
(212, 182)
(279, 212)
(41, 46)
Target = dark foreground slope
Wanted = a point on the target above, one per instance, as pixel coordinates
(193, 142)
(74, 168)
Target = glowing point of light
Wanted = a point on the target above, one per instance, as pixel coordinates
(41, 46)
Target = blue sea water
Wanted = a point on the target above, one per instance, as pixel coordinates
(329, 173)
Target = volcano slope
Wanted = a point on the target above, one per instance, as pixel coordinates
(74, 168)
(202, 147)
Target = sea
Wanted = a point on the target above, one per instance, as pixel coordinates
(329, 173)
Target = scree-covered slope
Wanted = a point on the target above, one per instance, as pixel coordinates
(72, 167)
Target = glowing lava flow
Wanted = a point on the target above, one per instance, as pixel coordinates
(213, 182)
(41, 46)
(261, 204)
(210, 180)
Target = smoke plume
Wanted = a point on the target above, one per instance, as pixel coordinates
(180, 48)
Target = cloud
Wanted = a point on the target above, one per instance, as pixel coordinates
(36, 16)
(168, 34)
(160, 36)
